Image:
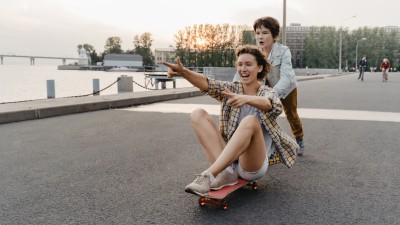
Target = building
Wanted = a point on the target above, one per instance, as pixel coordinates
(125, 60)
(295, 40)
(164, 55)
(84, 57)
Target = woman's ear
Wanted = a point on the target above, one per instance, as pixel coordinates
(260, 68)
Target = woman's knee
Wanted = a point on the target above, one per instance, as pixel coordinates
(250, 121)
(198, 114)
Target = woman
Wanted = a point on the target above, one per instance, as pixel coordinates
(282, 77)
(385, 66)
(248, 137)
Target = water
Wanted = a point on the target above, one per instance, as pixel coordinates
(19, 81)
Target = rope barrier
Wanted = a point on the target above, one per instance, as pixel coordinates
(96, 92)
(76, 96)
(146, 84)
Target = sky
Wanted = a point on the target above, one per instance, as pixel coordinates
(57, 27)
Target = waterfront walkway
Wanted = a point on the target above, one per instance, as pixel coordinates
(14, 112)
(130, 165)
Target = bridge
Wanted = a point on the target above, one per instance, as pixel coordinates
(32, 58)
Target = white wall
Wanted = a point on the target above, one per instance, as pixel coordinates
(122, 63)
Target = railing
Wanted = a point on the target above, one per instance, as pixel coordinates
(32, 58)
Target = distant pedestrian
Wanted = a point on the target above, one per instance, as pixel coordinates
(362, 66)
(385, 66)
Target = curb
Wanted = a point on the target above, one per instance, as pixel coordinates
(38, 109)
(63, 106)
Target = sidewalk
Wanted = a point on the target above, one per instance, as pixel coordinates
(39, 109)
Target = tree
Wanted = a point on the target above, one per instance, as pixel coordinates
(209, 45)
(87, 47)
(142, 46)
(113, 45)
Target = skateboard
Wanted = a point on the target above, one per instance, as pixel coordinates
(217, 197)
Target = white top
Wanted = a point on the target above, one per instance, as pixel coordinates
(246, 110)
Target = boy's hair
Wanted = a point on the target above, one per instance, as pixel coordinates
(260, 58)
(268, 22)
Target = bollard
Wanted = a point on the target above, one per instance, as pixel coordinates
(125, 84)
(96, 87)
(51, 91)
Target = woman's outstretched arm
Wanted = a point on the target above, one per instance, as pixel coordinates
(197, 79)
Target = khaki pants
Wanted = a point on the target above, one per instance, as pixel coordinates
(290, 108)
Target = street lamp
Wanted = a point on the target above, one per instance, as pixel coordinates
(284, 23)
(340, 42)
(362, 39)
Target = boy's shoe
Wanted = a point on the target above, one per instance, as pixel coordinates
(200, 186)
(225, 178)
(300, 142)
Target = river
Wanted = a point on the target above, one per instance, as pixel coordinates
(19, 81)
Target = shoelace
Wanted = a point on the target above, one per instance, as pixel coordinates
(200, 179)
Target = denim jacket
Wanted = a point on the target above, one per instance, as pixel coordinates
(282, 77)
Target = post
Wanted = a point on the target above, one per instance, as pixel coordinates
(51, 91)
(125, 84)
(96, 87)
(156, 83)
(1, 60)
(340, 50)
(356, 55)
(284, 23)
(341, 41)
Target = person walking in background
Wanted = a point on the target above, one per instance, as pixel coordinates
(282, 77)
(385, 66)
(248, 137)
(362, 66)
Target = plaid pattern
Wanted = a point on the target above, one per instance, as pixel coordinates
(286, 147)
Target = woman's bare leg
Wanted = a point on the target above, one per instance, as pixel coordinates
(208, 134)
(247, 144)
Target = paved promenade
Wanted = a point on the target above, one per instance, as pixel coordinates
(39, 109)
(129, 165)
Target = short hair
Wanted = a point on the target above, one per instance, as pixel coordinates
(260, 58)
(268, 22)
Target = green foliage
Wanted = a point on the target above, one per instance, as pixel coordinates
(322, 47)
(113, 45)
(142, 46)
(87, 47)
(209, 45)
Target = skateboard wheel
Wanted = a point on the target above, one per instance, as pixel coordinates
(225, 206)
(254, 186)
(202, 201)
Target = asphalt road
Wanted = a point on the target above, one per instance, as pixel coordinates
(127, 167)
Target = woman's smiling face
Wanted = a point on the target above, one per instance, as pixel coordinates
(248, 68)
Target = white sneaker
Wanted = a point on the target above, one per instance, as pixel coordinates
(200, 186)
(225, 178)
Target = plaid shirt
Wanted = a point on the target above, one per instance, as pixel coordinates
(286, 147)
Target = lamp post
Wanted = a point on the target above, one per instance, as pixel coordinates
(340, 42)
(284, 23)
(362, 39)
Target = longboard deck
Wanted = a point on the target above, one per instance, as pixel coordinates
(217, 197)
(225, 191)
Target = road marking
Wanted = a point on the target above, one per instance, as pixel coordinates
(306, 113)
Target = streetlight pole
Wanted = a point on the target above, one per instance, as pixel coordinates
(284, 23)
(340, 42)
(362, 39)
